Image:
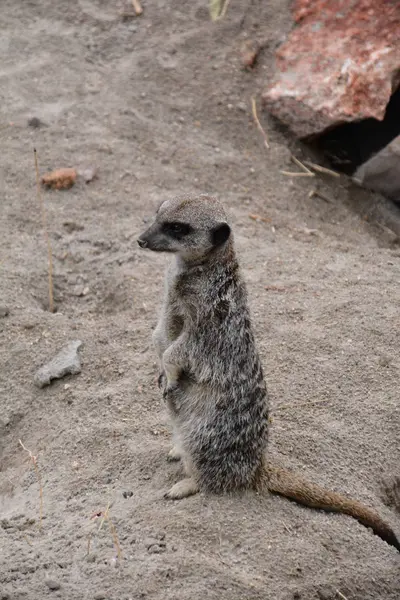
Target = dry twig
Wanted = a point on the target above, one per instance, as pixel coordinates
(114, 537)
(46, 233)
(320, 195)
(300, 164)
(224, 9)
(322, 169)
(259, 218)
(113, 531)
(218, 9)
(342, 596)
(305, 172)
(257, 122)
(39, 478)
(295, 174)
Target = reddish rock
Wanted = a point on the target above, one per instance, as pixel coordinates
(338, 64)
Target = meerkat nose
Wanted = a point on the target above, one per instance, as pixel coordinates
(142, 243)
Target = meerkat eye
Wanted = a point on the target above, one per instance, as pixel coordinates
(176, 229)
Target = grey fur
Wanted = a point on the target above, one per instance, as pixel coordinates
(215, 391)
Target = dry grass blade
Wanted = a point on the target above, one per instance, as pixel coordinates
(39, 478)
(320, 195)
(257, 122)
(218, 9)
(104, 516)
(113, 531)
(114, 537)
(342, 596)
(224, 8)
(301, 165)
(137, 7)
(322, 169)
(215, 8)
(46, 233)
(89, 542)
(296, 174)
(254, 217)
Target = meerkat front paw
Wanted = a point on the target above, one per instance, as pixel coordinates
(170, 389)
(174, 454)
(182, 489)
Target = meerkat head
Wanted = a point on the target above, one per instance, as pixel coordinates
(191, 226)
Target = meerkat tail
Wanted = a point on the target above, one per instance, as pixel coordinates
(285, 483)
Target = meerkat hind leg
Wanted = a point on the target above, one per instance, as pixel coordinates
(183, 489)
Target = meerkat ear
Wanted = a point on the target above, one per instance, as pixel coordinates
(220, 234)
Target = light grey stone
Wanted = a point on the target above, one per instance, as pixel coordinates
(382, 171)
(66, 362)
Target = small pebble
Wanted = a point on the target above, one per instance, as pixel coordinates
(87, 173)
(52, 584)
(35, 123)
(100, 596)
(127, 494)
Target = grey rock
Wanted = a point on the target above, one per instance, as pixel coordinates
(53, 584)
(66, 362)
(382, 171)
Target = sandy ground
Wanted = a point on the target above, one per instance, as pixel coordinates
(160, 104)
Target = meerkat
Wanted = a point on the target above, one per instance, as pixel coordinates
(210, 370)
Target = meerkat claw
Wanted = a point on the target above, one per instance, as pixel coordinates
(174, 454)
(182, 489)
(170, 389)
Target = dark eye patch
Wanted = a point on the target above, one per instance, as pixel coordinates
(176, 229)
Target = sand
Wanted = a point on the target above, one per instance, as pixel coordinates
(160, 105)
